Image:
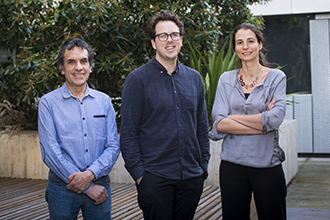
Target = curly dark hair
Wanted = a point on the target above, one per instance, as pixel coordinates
(163, 16)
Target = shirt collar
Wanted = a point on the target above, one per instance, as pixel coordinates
(66, 93)
(161, 68)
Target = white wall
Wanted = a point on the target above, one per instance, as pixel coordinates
(284, 7)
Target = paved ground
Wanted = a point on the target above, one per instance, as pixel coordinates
(309, 192)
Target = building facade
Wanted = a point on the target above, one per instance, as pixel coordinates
(299, 35)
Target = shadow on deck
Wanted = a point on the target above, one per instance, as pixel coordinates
(25, 199)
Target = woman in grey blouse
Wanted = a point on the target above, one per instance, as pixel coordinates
(248, 109)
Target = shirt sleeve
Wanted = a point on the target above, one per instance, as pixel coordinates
(220, 110)
(104, 163)
(131, 113)
(202, 129)
(272, 119)
(50, 149)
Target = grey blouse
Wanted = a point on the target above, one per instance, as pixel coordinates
(261, 150)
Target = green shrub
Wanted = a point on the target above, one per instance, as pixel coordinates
(211, 65)
(34, 30)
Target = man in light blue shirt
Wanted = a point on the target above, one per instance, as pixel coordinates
(78, 139)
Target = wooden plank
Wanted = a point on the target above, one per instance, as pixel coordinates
(25, 199)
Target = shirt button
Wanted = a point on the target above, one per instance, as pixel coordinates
(86, 150)
(85, 135)
(87, 166)
(177, 107)
(81, 103)
(180, 141)
(83, 118)
(174, 91)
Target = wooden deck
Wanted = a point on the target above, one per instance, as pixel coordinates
(25, 199)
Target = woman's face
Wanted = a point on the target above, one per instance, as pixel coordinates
(247, 46)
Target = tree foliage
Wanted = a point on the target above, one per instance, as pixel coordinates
(33, 31)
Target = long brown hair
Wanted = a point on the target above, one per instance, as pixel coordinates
(262, 59)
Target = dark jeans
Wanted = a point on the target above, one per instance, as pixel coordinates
(267, 184)
(65, 204)
(165, 199)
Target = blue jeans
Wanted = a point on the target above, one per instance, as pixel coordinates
(65, 204)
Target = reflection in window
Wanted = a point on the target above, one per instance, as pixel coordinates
(287, 44)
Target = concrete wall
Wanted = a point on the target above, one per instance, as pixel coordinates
(20, 157)
(288, 142)
(285, 7)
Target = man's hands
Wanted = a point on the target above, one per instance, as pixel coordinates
(98, 193)
(139, 180)
(80, 181)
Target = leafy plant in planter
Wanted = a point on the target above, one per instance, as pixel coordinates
(32, 32)
(211, 65)
(12, 119)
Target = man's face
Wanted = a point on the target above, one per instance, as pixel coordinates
(166, 50)
(76, 67)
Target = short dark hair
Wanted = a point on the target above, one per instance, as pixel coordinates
(260, 38)
(163, 16)
(68, 45)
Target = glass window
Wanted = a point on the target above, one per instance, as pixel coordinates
(287, 44)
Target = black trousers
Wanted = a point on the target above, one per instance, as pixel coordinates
(164, 199)
(237, 183)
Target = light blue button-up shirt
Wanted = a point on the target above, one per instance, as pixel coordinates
(76, 135)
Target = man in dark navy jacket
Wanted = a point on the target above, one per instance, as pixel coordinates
(164, 128)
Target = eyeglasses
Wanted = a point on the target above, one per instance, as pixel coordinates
(164, 36)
